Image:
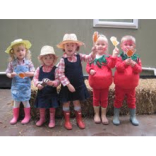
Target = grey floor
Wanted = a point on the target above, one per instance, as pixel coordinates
(147, 125)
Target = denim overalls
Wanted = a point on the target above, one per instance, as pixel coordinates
(21, 87)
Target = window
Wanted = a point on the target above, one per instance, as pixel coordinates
(116, 23)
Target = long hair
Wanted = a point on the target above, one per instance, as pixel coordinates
(13, 57)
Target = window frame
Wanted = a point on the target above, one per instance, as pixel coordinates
(109, 24)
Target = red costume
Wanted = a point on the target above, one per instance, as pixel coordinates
(102, 79)
(126, 79)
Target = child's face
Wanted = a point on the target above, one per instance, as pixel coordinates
(19, 51)
(70, 48)
(48, 59)
(127, 45)
(101, 46)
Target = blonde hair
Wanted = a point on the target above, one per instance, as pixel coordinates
(105, 39)
(13, 57)
(128, 37)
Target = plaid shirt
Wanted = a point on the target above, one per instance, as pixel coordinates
(61, 65)
(46, 69)
(10, 66)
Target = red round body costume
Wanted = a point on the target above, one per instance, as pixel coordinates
(102, 79)
(126, 79)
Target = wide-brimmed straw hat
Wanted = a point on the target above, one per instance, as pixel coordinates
(69, 38)
(18, 41)
(45, 50)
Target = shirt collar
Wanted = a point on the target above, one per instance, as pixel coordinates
(65, 55)
(48, 66)
(19, 61)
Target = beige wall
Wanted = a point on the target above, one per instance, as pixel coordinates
(50, 32)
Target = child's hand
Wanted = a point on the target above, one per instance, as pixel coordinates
(115, 52)
(44, 82)
(132, 63)
(128, 61)
(28, 74)
(71, 87)
(50, 83)
(13, 74)
(39, 86)
(92, 72)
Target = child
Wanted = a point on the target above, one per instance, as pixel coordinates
(126, 79)
(45, 79)
(20, 69)
(100, 77)
(71, 77)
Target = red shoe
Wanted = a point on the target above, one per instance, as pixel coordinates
(80, 123)
(15, 116)
(52, 118)
(27, 116)
(42, 117)
(67, 123)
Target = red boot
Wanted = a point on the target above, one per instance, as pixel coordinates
(67, 123)
(15, 116)
(42, 117)
(52, 118)
(79, 120)
(27, 116)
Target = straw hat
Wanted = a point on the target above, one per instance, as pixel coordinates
(18, 41)
(69, 38)
(48, 50)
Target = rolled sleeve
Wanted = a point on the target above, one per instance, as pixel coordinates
(61, 69)
(36, 77)
(56, 81)
(86, 58)
(9, 68)
(31, 67)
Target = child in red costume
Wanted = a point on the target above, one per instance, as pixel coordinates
(100, 77)
(126, 79)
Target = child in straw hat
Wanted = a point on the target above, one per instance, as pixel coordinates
(126, 78)
(20, 69)
(100, 77)
(71, 77)
(46, 80)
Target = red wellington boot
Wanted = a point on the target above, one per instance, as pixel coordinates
(27, 116)
(52, 118)
(15, 116)
(42, 120)
(67, 123)
(80, 123)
